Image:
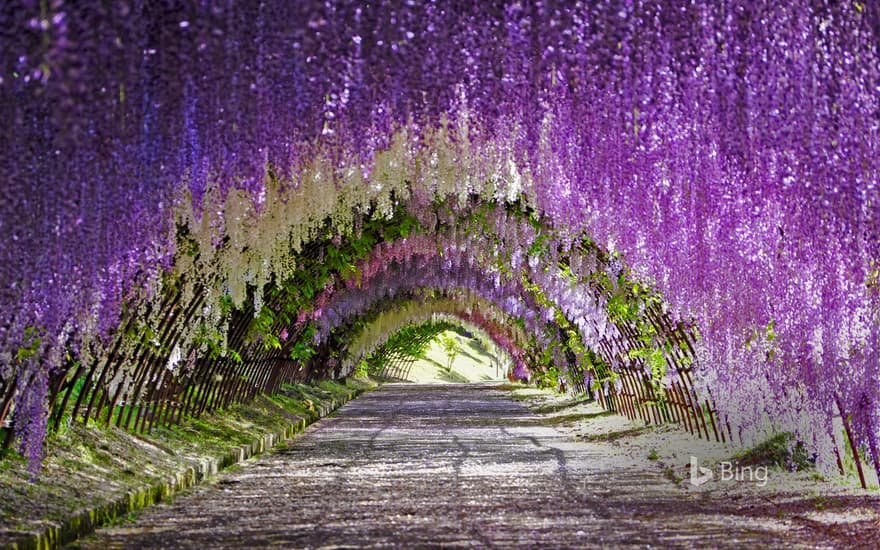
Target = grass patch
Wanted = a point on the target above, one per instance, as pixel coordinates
(556, 407)
(509, 387)
(670, 474)
(781, 451)
(820, 503)
(614, 436)
(521, 397)
(569, 418)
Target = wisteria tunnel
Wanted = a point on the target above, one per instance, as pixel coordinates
(668, 208)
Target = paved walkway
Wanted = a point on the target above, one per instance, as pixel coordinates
(439, 466)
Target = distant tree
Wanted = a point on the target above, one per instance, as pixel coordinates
(451, 347)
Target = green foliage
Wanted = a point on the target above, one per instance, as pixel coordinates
(261, 325)
(361, 370)
(226, 305)
(766, 337)
(270, 341)
(568, 274)
(601, 371)
(540, 245)
(622, 310)
(451, 348)
(303, 350)
(782, 450)
(332, 259)
(872, 280)
(30, 346)
(400, 227)
(657, 363)
(548, 378)
(627, 305)
(186, 244)
(140, 333)
(211, 340)
(74, 390)
(410, 341)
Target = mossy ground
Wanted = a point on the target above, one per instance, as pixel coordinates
(87, 466)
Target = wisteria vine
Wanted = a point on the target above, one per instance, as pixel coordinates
(722, 154)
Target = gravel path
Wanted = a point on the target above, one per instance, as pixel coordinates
(414, 466)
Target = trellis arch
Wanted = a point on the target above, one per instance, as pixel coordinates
(473, 313)
(175, 378)
(400, 336)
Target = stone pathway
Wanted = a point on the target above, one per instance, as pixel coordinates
(415, 466)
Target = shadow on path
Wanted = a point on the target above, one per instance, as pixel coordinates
(416, 466)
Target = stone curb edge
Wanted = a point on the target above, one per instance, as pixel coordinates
(85, 522)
